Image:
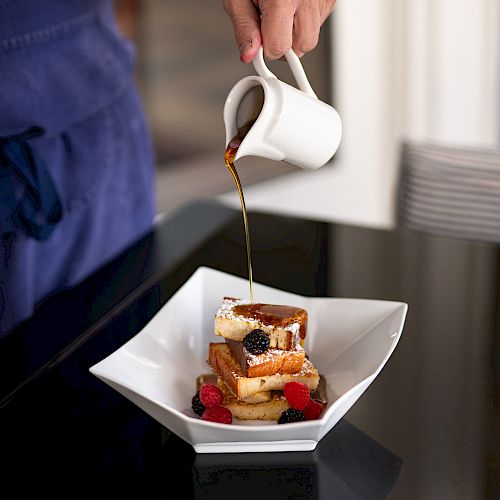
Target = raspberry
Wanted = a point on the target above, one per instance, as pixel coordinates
(256, 342)
(313, 410)
(291, 415)
(197, 406)
(211, 395)
(218, 414)
(297, 395)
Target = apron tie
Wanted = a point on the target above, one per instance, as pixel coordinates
(28, 198)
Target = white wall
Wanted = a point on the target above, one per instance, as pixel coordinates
(426, 69)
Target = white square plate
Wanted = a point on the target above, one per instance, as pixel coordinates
(348, 340)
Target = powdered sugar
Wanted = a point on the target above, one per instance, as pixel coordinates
(226, 308)
(306, 371)
(258, 359)
(226, 311)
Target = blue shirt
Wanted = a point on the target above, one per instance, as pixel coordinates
(76, 164)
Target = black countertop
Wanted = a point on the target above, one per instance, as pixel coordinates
(427, 427)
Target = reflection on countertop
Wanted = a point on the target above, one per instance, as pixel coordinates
(346, 464)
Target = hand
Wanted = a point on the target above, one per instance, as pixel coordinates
(278, 25)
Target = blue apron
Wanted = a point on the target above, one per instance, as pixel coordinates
(76, 165)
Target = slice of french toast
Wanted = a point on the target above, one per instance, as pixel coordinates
(268, 363)
(223, 362)
(285, 325)
(267, 410)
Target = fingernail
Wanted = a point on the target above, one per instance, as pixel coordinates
(245, 46)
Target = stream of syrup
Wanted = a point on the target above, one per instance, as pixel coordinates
(229, 156)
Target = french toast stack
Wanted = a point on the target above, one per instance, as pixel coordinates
(262, 352)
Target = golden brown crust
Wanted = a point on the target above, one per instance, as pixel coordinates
(292, 362)
(268, 363)
(227, 367)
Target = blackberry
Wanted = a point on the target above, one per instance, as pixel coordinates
(196, 404)
(256, 342)
(289, 416)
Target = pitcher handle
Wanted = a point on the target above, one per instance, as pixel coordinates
(295, 65)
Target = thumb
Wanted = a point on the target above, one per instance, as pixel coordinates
(246, 24)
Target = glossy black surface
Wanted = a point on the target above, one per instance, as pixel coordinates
(428, 426)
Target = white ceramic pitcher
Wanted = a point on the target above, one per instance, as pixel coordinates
(292, 125)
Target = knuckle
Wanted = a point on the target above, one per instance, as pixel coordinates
(278, 48)
(308, 45)
(271, 5)
(242, 27)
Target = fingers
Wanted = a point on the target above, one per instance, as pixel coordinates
(326, 9)
(306, 27)
(277, 26)
(246, 24)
